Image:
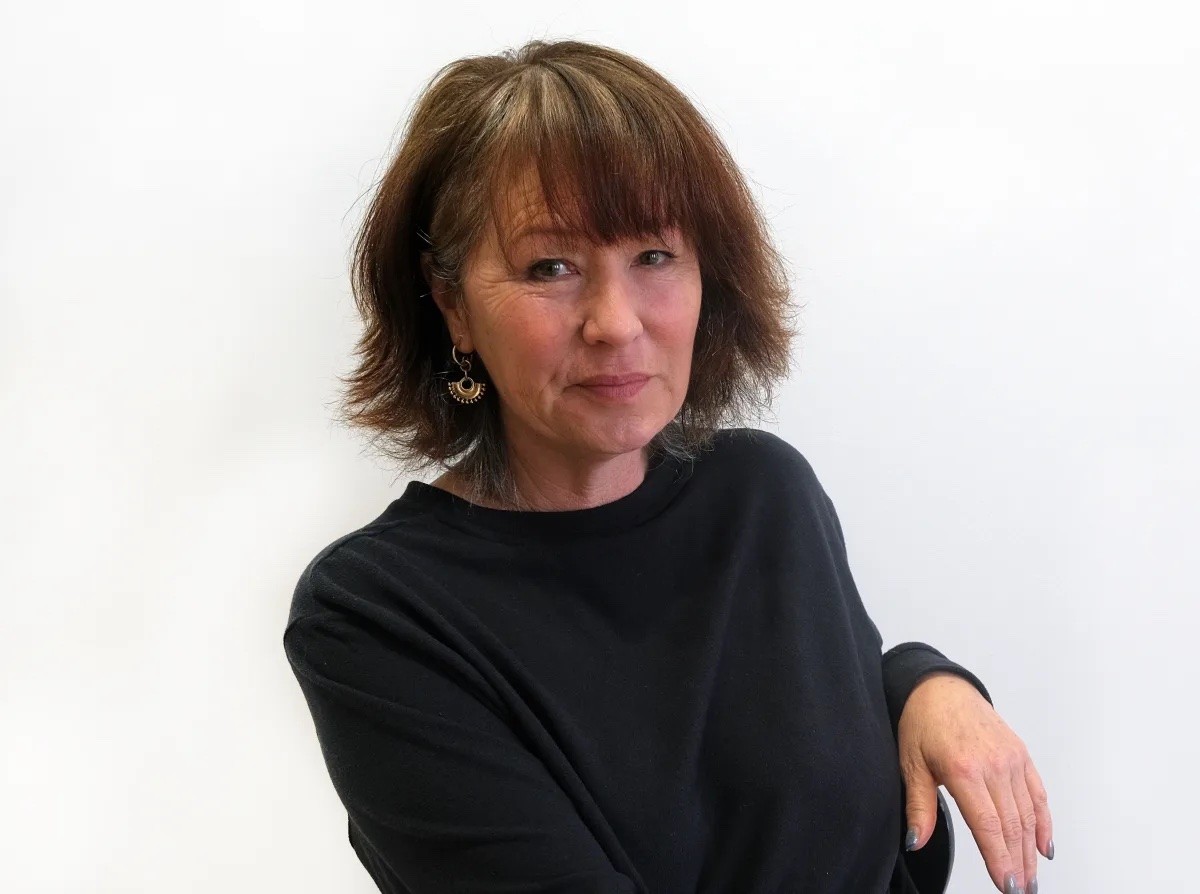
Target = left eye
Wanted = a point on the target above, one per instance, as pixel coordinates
(659, 252)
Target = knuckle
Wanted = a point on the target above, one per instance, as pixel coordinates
(1003, 761)
(1013, 829)
(1029, 821)
(965, 766)
(997, 764)
(991, 827)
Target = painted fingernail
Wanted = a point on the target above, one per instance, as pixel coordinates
(1050, 850)
(1010, 884)
(1031, 888)
(911, 840)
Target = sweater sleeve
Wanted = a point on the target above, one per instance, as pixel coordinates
(440, 792)
(905, 665)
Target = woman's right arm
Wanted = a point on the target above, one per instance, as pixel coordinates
(440, 792)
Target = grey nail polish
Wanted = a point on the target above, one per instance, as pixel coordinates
(1031, 888)
(1010, 884)
(911, 840)
(1050, 850)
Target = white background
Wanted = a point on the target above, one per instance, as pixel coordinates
(991, 215)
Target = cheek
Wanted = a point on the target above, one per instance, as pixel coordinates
(530, 350)
(679, 319)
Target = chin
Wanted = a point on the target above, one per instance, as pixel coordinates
(624, 436)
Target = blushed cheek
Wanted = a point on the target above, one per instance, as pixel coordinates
(542, 362)
(680, 325)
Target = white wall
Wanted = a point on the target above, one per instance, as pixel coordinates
(991, 211)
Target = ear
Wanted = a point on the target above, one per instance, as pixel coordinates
(449, 305)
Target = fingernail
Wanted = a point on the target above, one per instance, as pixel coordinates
(1050, 850)
(911, 841)
(1010, 884)
(1031, 888)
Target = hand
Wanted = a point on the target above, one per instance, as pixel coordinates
(949, 735)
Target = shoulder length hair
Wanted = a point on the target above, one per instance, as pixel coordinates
(620, 153)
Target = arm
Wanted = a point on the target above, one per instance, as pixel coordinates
(907, 664)
(440, 792)
(949, 738)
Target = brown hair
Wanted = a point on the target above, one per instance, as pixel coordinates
(621, 153)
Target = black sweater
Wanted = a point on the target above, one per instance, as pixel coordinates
(677, 691)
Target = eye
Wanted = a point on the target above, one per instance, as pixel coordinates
(547, 268)
(660, 252)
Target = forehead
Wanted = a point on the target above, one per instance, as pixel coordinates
(520, 210)
(521, 214)
(520, 219)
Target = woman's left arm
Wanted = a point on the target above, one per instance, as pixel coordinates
(949, 734)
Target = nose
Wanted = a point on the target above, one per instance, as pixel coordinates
(611, 312)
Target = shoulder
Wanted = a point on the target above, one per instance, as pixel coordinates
(762, 456)
(340, 576)
(755, 441)
(751, 473)
(776, 477)
(356, 599)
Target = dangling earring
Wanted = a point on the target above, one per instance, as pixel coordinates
(466, 390)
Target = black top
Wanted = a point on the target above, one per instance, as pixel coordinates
(677, 691)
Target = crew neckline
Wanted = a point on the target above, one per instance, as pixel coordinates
(663, 479)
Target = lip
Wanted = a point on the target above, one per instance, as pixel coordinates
(615, 380)
(615, 387)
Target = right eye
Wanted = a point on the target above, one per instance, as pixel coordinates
(547, 268)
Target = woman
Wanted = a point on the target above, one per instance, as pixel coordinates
(616, 646)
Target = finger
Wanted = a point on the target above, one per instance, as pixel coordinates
(921, 806)
(1001, 789)
(1024, 802)
(1041, 806)
(978, 810)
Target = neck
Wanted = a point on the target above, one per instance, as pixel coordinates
(549, 481)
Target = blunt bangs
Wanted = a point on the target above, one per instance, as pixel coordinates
(604, 173)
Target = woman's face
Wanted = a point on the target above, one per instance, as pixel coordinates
(555, 313)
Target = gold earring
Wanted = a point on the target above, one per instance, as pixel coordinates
(466, 390)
